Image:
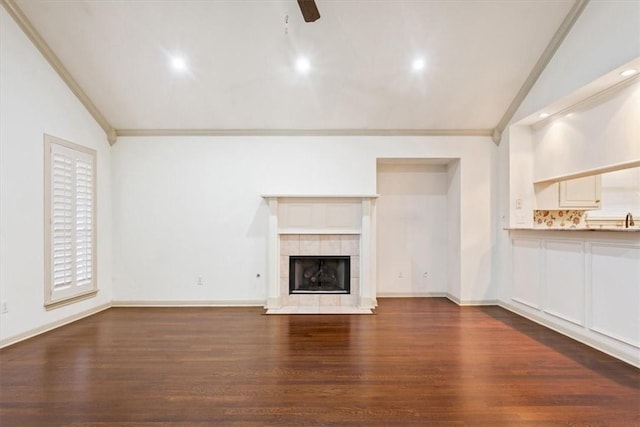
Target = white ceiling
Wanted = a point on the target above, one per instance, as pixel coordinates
(478, 54)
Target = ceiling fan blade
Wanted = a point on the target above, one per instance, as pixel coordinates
(309, 10)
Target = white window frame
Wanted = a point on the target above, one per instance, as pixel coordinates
(70, 222)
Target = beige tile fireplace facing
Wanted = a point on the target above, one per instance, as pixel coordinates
(321, 226)
(329, 244)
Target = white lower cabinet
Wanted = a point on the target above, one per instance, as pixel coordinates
(583, 284)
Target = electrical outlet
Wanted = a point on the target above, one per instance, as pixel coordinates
(400, 275)
(4, 307)
(200, 282)
(424, 274)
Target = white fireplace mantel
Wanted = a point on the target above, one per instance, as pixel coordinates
(304, 214)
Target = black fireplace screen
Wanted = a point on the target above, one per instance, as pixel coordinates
(319, 274)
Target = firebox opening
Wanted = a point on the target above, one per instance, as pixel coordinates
(319, 274)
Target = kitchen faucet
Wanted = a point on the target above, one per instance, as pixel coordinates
(628, 221)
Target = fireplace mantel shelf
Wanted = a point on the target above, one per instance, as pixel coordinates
(317, 231)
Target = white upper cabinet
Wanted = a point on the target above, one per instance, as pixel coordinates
(580, 193)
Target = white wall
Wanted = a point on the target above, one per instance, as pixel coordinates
(412, 237)
(191, 206)
(454, 213)
(607, 133)
(605, 37)
(34, 101)
(620, 194)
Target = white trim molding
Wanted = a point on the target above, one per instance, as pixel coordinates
(187, 303)
(412, 295)
(470, 303)
(304, 132)
(54, 325)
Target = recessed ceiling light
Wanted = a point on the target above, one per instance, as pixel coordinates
(418, 64)
(629, 72)
(543, 115)
(179, 64)
(303, 65)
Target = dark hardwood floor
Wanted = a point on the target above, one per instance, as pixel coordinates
(419, 361)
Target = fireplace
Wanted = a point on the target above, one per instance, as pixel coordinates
(319, 274)
(337, 233)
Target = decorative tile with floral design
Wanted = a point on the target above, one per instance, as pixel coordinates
(559, 219)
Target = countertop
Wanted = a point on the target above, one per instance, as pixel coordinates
(615, 230)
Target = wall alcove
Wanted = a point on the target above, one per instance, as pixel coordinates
(418, 225)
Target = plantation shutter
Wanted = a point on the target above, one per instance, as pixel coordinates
(71, 233)
(62, 173)
(84, 221)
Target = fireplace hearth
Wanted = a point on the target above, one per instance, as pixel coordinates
(319, 274)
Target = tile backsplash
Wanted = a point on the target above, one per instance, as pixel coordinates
(559, 219)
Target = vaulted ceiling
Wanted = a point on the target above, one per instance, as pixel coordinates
(241, 61)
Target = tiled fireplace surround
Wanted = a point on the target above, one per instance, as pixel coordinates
(320, 226)
(319, 244)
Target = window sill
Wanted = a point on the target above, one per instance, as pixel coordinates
(71, 300)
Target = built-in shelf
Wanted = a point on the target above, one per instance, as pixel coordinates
(591, 172)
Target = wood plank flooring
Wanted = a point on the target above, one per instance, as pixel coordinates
(418, 361)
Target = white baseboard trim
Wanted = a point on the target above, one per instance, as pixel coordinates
(318, 310)
(471, 302)
(50, 326)
(183, 303)
(582, 338)
(411, 294)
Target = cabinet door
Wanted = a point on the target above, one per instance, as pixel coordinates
(580, 193)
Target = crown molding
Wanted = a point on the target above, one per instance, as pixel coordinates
(303, 132)
(557, 39)
(588, 102)
(20, 18)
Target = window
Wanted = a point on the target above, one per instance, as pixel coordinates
(70, 222)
